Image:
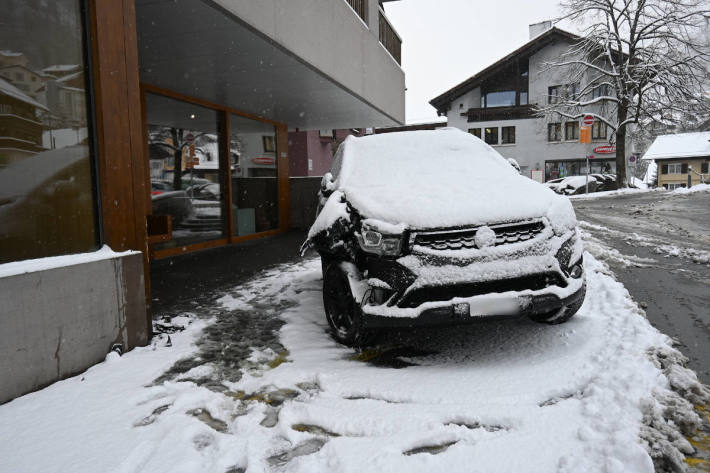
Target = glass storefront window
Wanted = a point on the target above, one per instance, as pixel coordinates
(186, 174)
(558, 169)
(47, 197)
(254, 176)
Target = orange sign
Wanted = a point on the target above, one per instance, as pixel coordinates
(585, 134)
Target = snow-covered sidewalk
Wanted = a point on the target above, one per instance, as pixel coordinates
(603, 392)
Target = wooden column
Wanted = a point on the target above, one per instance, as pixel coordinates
(122, 168)
(284, 189)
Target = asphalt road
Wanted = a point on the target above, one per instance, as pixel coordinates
(672, 286)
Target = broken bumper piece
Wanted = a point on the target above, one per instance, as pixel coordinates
(466, 310)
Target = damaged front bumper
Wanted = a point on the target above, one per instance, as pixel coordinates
(434, 288)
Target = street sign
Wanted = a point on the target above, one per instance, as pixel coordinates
(591, 156)
(605, 149)
(189, 138)
(588, 120)
(632, 159)
(585, 134)
(263, 160)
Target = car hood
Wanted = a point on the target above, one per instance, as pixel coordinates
(436, 179)
(431, 206)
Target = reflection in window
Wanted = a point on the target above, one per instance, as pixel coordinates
(47, 205)
(554, 132)
(572, 130)
(508, 135)
(255, 180)
(475, 132)
(185, 171)
(500, 99)
(598, 130)
(491, 136)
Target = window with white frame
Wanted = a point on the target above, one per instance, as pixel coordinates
(675, 168)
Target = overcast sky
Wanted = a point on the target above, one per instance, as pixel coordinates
(447, 41)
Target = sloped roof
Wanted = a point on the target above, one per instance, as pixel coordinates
(442, 101)
(681, 145)
(10, 90)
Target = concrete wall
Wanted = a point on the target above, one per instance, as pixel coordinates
(330, 36)
(304, 201)
(58, 322)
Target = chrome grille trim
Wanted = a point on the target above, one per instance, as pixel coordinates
(464, 238)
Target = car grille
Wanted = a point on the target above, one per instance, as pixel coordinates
(465, 238)
(534, 282)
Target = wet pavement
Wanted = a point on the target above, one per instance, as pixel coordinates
(664, 241)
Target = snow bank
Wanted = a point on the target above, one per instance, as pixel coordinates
(432, 179)
(53, 262)
(627, 190)
(692, 190)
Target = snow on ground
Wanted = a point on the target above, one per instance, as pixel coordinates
(590, 395)
(596, 247)
(596, 195)
(691, 190)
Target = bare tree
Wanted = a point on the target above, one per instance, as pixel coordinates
(637, 63)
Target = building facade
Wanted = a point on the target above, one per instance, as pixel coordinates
(682, 158)
(498, 103)
(163, 130)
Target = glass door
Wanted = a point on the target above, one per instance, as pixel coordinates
(186, 174)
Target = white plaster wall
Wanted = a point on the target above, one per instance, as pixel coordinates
(330, 36)
(531, 149)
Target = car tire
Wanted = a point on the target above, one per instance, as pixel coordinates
(342, 311)
(562, 315)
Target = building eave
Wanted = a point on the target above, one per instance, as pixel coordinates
(442, 101)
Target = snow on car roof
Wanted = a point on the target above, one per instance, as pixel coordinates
(436, 178)
(681, 145)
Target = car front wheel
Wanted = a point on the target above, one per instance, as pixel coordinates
(342, 311)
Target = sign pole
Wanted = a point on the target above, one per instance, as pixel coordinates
(585, 137)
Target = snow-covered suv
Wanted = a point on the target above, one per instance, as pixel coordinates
(435, 227)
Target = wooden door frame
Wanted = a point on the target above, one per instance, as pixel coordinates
(119, 136)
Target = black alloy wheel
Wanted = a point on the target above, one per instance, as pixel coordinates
(342, 311)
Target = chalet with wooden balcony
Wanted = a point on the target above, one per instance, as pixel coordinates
(498, 105)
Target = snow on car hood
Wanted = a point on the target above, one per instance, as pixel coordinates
(436, 179)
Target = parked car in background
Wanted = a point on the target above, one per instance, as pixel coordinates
(175, 203)
(572, 185)
(405, 243)
(605, 182)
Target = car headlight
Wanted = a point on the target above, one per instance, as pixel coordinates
(561, 216)
(372, 241)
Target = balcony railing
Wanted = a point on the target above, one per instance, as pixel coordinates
(390, 39)
(360, 7)
(499, 113)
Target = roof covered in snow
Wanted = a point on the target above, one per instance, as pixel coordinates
(681, 145)
(10, 90)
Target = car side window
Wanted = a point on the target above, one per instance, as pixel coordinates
(337, 162)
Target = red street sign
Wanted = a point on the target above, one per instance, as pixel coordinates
(263, 160)
(606, 149)
(591, 156)
(189, 138)
(588, 120)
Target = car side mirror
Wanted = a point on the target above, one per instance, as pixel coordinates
(327, 184)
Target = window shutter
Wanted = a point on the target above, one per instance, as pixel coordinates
(664, 169)
(684, 168)
(704, 167)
